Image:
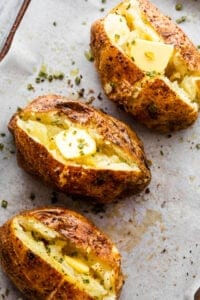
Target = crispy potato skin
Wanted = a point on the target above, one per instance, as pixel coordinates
(159, 108)
(102, 185)
(171, 33)
(34, 277)
(116, 68)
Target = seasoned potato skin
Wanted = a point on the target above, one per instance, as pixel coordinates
(171, 33)
(116, 68)
(100, 184)
(159, 108)
(33, 276)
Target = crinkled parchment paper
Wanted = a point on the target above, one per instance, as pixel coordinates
(158, 231)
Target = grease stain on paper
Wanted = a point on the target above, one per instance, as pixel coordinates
(128, 234)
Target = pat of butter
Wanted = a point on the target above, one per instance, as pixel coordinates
(77, 264)
(75, 143)
(151, 56)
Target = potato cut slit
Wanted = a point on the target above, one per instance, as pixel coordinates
(83, 269)
(130, 31)
(75, 145)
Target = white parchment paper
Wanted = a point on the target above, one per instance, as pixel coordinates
(158, 231)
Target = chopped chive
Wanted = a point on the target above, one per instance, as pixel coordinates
(181, 19)
(50, 78)
(117, 37)
(4, 203)
(179, 6)
(30, 87)
(77, 80)
(86, 281)
(198, 146)
(89, 55)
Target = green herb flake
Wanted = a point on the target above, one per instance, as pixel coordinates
(89, 56)
(181, 19)
(198, 46)
(35, 236)
(74, 72)
(54, 23)
(3, 134)
(113, 84)
(43, 72)
(4, 203)
(19, 109)
(161, 153)
(30, 87)
(198, 146)
(81, 153)
(58, 75)
(48, 249)
(102, 9)
(179, 6)
(152, 73)
(86, 281)
(50, 78)
(103, 1)
(37, 79)
(1, 146)
(61, 260)
(128, 6)
(117, 37)
(152, 111)
(78, 80)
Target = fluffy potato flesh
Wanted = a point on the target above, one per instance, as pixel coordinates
(87, 272)
(73, 144)
(130, 31)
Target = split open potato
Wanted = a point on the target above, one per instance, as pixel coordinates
(78, 149)
(148, 65)
(54, 253)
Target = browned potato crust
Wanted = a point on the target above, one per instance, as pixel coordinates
(38, 278)
(103, 183)
(141, 92)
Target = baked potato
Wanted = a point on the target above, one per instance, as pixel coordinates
(78, 149)
(148, 65)
(54, 253)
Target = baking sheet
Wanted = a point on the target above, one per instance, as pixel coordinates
(157, 231)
